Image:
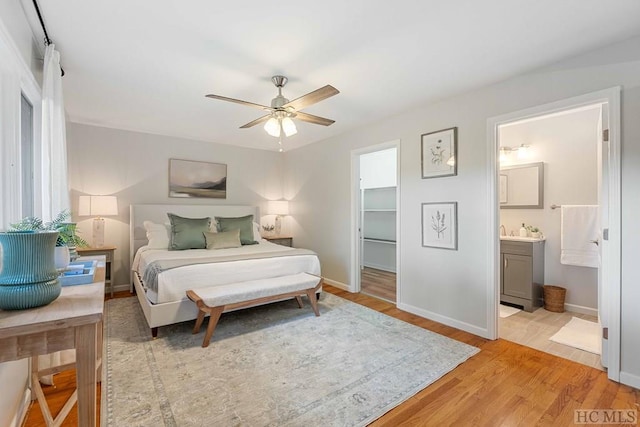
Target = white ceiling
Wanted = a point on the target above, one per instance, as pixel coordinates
(146, 65)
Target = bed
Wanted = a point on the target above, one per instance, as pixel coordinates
(163, 300)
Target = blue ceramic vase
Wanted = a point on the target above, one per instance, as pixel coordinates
(28, 277)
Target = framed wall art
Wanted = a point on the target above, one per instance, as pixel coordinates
(440, 225)
(439, 153)
(190, 178)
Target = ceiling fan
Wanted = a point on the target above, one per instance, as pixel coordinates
(282, 111)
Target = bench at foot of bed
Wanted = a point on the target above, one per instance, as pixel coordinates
(214, 300)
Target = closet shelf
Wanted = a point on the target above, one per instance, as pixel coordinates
(369, 239)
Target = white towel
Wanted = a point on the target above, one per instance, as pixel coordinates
(579, 227)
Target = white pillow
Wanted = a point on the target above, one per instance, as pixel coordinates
(157, 234)
(256, 232)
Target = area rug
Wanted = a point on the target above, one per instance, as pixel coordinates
(274, 365)
(581, 334)
(506, 311)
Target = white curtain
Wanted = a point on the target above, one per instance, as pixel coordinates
(55, 185)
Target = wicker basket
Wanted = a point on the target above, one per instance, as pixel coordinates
(554, 298)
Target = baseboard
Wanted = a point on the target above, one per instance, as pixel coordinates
(581, 309)
(339, 285)
(630, 379)
(467, 327)
(379, 267)
(21, 414)
(119, 288)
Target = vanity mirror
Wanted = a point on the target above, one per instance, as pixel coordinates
(522, 186)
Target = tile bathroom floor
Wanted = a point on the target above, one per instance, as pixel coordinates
(534, 330)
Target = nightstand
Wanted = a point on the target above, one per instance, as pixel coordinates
(280, 240)
(107, 251)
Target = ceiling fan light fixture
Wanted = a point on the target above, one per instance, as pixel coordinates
(272, 126)
(289, 127)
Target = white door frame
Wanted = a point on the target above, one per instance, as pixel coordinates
(354, 286)
(612, 98)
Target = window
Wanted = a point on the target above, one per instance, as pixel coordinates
(27, 156)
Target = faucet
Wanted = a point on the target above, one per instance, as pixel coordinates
(503, 231)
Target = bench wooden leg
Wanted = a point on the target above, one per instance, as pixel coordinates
(214, 316)
(299, 300)
(199, 321)
(312, 299)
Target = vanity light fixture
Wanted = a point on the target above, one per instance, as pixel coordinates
(522, 150)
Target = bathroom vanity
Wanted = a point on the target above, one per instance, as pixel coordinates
(522, 271)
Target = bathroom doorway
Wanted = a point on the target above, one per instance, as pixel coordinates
(571, 148)
(375, 197)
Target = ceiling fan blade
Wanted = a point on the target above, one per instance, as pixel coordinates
(312, 97)
(256, 121)
(316, 120)
(238, 101)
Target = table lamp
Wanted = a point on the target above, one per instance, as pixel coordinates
(98, 206)
(279, 208)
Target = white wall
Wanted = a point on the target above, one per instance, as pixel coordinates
(450, 286)
(134, 167)
(567, 144)
(17, 69)
(15, 21)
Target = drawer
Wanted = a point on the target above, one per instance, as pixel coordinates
(517, 248)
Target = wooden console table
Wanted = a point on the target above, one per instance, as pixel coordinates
(74, 320)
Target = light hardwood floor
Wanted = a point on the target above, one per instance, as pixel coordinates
(535, 329)
(378, 283)
(505, 384)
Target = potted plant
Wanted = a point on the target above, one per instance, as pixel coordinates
(67, 240)
(28, 276)
(534, 231)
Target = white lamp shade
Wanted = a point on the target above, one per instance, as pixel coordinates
(278, 207)
(272, 127)
(289, 127)
(98, 205)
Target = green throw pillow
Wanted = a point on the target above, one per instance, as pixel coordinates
(186, 233)
(243, 223)
(223, 239)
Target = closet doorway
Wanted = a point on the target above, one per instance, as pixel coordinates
(375, 195)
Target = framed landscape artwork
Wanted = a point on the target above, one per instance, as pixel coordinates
(440, 225)
(439, 153)
(189, 178)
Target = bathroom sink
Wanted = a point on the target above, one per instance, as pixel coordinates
(523, 239)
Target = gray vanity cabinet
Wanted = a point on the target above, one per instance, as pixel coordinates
(522, 273)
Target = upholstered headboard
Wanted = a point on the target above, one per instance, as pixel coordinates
(158, 214)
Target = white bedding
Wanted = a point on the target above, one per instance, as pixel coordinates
(173, 284)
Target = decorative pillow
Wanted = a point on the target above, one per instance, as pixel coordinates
(223, 239)
(186, 233)
(157, 234)
(243, 223)
(256, 232)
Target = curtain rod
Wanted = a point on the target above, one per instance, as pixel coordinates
(47, 40)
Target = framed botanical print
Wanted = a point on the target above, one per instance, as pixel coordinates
(440, 225)
(439, 153)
